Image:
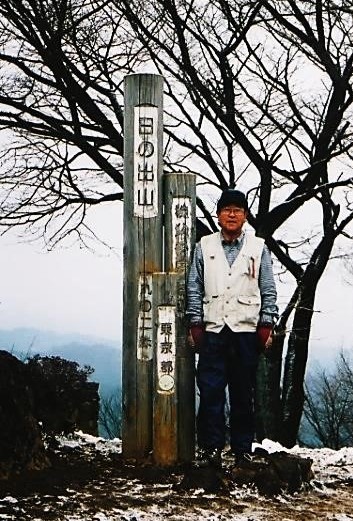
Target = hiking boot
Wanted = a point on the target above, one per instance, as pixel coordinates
(209, 458)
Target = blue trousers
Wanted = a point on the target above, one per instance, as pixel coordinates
(227, 358)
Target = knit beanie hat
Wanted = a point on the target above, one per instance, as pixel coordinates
(231, 196)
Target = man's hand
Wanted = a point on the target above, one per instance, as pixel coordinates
(264, 334)
(197, 336)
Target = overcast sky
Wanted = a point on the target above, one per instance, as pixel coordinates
(66, 290)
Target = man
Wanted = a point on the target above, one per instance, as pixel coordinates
(231, 311)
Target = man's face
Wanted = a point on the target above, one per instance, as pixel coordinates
(231, 219)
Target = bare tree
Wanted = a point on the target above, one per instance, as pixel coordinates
(62, 66)
(110, 414)
(328, 406)
(258, 95)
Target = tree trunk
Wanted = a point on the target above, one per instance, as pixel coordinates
(278, 418)
(268, 387)
(268, 403)
(297, 352)
(294, 370)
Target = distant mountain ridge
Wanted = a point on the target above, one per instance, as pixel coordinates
(101, 354)
(39, 339)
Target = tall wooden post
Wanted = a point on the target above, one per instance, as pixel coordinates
(180, 233)
(143, 253)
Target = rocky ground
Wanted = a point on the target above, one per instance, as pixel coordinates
(89, 481)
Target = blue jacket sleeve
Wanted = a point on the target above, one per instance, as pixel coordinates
(269, 309)
(195, 287)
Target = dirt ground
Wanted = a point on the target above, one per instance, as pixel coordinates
(83, 484)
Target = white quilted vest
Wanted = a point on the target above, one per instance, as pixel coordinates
(232, 294)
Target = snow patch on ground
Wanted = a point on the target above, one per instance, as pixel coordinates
(80, 439)
(157, 501)
(328, 465)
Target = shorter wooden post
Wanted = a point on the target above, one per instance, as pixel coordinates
(179, 201)
(165, 421)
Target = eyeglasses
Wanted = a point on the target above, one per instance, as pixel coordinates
(227, 210)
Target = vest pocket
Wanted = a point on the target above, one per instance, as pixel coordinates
(250, 300)
(212, 308)
(249, 309)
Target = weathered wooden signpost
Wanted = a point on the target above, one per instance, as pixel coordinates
(179, 202)
(159, 211)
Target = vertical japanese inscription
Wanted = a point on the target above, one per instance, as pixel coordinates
(166, 347)
(145, 161)
(144, 326)
(181, 230)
